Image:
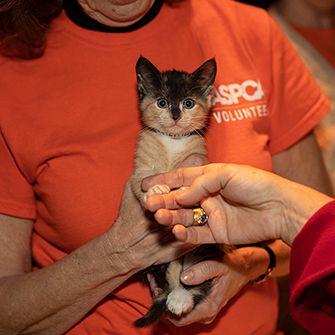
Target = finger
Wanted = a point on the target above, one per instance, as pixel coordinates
(180, 233)
(204, 186)
(203, 271)
(172, 217)
(155, 202)
(177, 198)
(193, 235)
(174, 179)
(213, 207)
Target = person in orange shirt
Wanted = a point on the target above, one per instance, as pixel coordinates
(69, 123)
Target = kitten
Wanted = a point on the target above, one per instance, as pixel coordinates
(174, 108)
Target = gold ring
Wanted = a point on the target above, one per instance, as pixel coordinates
(199, 217)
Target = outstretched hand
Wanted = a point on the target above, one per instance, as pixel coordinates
(243, 204)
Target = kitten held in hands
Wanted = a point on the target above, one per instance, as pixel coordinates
(174, 108)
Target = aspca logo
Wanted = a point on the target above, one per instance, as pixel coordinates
(248, 91)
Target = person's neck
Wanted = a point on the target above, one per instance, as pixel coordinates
(302, 14)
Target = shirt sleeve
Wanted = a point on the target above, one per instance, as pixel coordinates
(312, 276)
(16, 194)
(296, 102)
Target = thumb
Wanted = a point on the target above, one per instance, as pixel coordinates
(203, 271)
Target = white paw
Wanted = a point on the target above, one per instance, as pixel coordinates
(156, 189)
(180, 301)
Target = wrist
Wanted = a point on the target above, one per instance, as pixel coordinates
(257, 262)
(119, 256)
(131, 253)
(300, 205)
(272, 262)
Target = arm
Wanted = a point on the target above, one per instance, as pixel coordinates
(65, 291)
(61, 293)
(301, 163)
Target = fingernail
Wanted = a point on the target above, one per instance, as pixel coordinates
(187, 277)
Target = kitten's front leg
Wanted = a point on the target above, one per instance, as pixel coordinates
(180, 300)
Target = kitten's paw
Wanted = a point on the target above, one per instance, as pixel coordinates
(157, 189)
(180, 301)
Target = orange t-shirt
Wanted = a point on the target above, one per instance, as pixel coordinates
(322, 39)
(69, 125)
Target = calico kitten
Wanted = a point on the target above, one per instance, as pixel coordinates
(174, 108)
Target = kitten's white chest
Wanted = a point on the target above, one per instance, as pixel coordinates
(175, 147)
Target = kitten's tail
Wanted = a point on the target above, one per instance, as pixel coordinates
(157, 309)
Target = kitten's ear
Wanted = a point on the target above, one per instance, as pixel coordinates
(148, 76)
(204, 76)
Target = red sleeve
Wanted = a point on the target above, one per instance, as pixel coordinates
(312, 298)
(296, 103)
(16, 194)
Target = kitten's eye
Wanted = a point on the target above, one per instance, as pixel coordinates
(162, 103)
(188, 103)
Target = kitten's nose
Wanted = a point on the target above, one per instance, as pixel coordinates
(175, 113)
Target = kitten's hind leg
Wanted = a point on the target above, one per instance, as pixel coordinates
(180, 300)
(183, 300)
(158, 308)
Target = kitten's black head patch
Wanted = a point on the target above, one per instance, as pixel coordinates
(174, 85)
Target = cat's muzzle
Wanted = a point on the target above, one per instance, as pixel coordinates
(199, 217)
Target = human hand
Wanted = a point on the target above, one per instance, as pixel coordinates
(229, 276)
(138, 240)
(244, 204)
